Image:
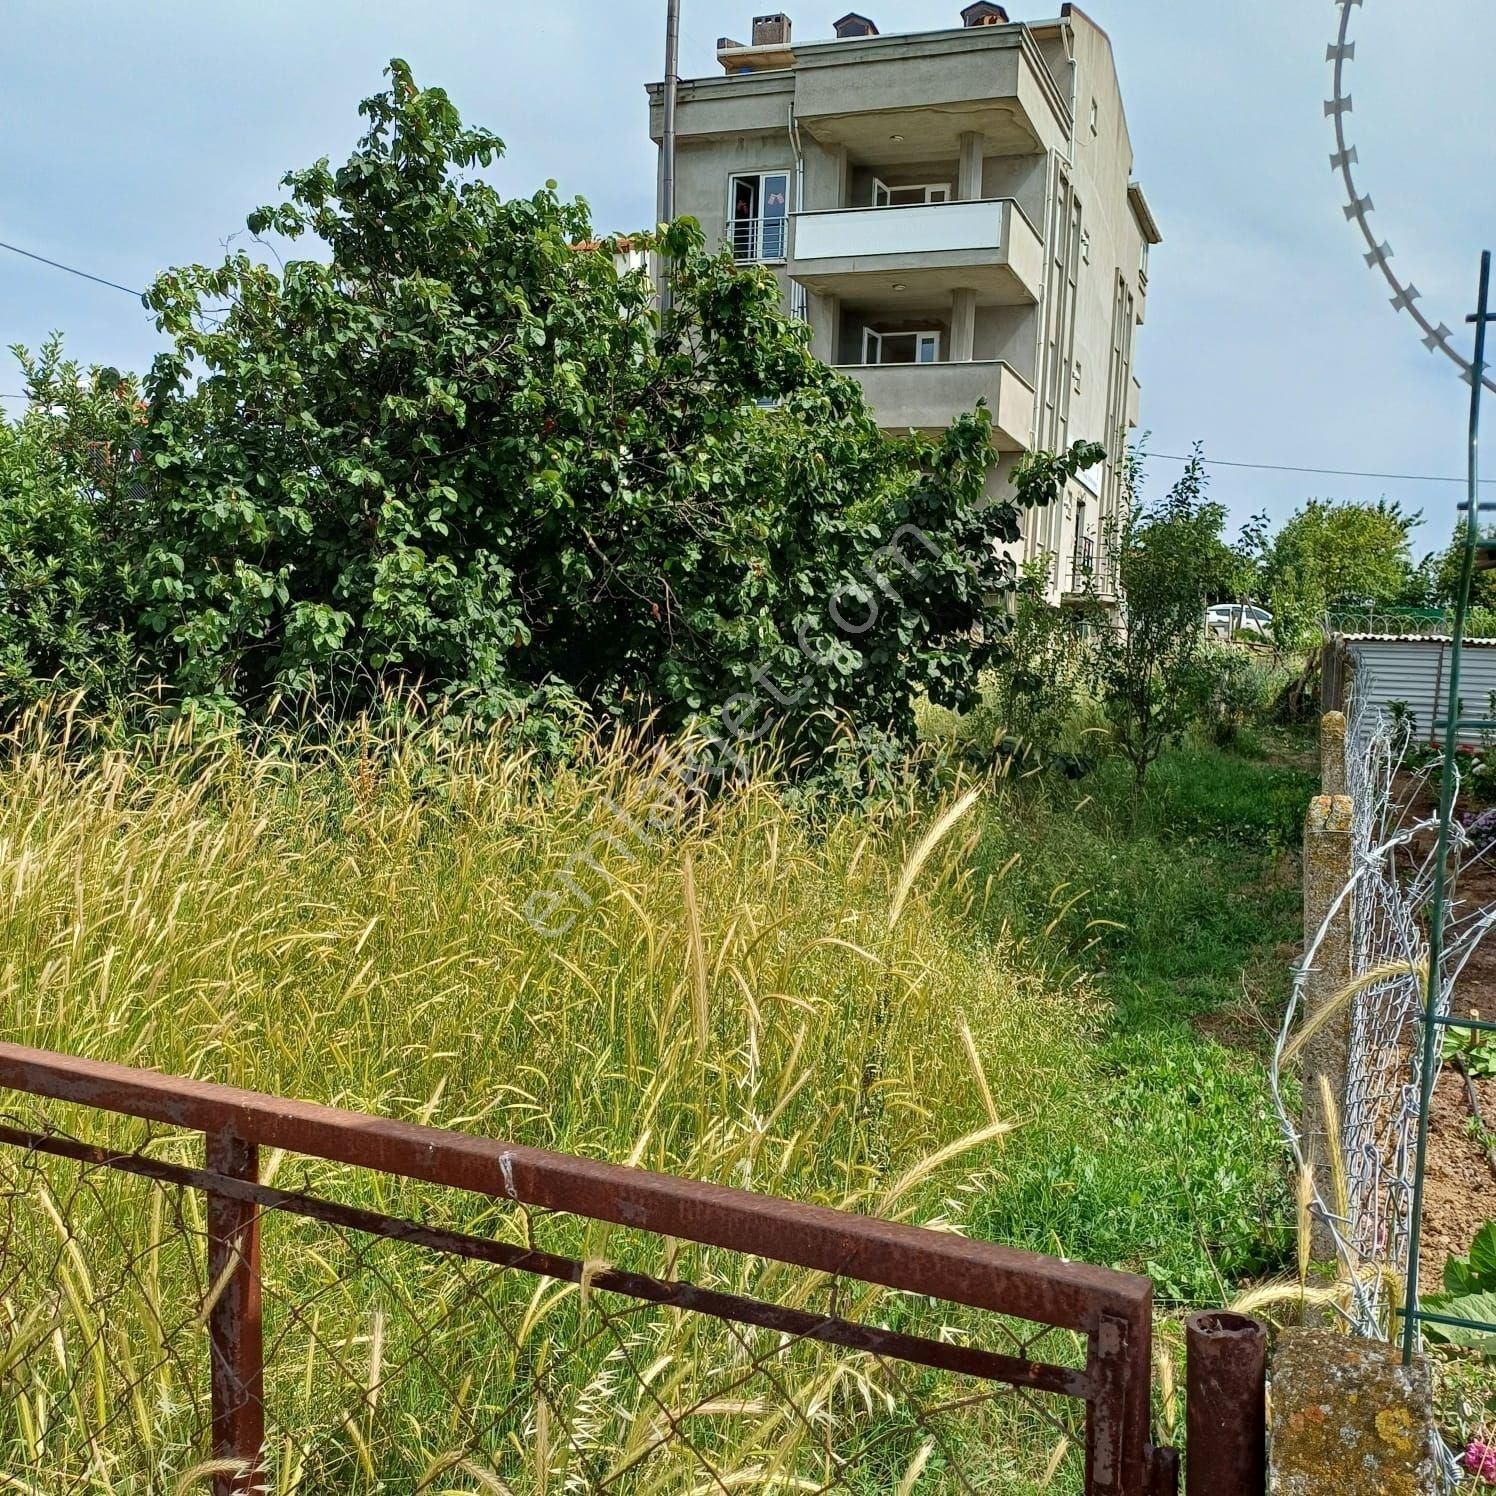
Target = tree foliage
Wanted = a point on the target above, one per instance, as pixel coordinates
(68, 479)
(1329, 555)
(453, 450)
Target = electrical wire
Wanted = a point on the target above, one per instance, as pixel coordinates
(71, 270)
(1279, 467)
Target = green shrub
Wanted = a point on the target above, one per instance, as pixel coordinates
(1234, 690)
(70, 517)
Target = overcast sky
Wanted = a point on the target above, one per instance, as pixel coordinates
(138, 136)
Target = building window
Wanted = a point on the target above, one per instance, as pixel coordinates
(1143, 263)
(885, 196)
(758, 216)
(900, 347)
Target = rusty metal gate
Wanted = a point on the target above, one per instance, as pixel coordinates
(1111, 1310)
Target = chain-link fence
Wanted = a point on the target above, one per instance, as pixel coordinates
(340, 1303)
(1365, 1199)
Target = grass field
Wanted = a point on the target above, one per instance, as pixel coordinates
(1004, 1034)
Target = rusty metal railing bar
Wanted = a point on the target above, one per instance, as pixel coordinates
(982, 1275)
(846, 1334)
(1112, 1309)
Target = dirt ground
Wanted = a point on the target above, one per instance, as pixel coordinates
(1459, 1181)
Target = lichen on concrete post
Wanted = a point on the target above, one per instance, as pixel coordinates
(1333, 779)
(1349, 1419)
(1327, 871)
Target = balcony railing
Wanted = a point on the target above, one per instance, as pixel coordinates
(1082, 563)
(928, 397)
(755, 240)
(1093, 569)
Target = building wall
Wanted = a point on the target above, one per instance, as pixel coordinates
(1070, 179)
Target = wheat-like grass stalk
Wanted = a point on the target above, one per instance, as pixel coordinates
(342, 920)
(925, 850)
(1329, 1011)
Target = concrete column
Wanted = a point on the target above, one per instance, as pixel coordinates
(843, 179)
(963, 326)
(1349, 1419)
(1332, 767)
(825, 326)
(969, 184)
(1327, 870)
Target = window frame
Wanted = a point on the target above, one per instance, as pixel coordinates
(754, 252)
(871, 338)
(945, 189)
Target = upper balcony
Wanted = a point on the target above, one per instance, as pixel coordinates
(918, 93)
(933, 249)
(891, 98)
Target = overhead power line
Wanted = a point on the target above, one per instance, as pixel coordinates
(1258, 467)
(1280, 467)
(71, 270)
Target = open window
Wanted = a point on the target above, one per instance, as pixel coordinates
(885, 196)
(758, 215)
(900, 347)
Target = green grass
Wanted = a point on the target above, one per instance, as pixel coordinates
(1185, 903)
(730, 1002)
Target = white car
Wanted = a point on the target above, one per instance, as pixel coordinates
(1227, 620)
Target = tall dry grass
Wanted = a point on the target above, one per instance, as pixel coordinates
(740, 996)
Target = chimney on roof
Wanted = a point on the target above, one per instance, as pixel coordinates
(771, 31)
(984, 13)
(856, 25)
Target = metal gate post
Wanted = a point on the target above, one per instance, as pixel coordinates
(1225, 1452)
(235, 1336)
(1120, 1461)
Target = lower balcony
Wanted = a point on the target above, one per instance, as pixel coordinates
(929, 396)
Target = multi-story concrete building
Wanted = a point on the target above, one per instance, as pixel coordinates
(954, 214)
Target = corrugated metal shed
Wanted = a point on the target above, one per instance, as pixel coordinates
(1414, 668)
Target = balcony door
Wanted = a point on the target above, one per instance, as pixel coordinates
(900, 347)
(758, 215)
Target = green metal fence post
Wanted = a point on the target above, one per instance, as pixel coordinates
(1438, 911)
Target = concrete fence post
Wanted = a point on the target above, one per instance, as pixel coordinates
(1349, 1419)
(1327, 871)
(1333, 773)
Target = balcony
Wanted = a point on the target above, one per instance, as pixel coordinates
(928, 397)
(930, 249)
(920, 92)
(1093, 572)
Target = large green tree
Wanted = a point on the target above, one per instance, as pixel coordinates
(1329, 555)
(454, 450)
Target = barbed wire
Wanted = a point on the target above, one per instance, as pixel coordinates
(1437, 336)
